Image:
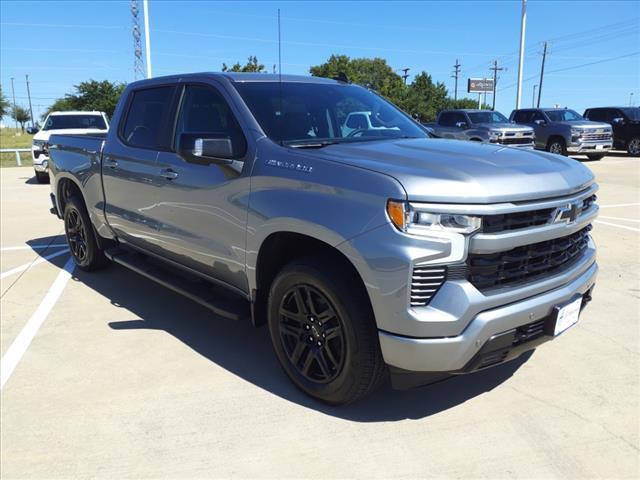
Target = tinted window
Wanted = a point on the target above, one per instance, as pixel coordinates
(147, 118)
(632, 113)
(487, 117)
(445, 119)
(299, 113)
(537, 116)
(522, 116)
(459, 117)
(205, 111)
(563, 115)
(599, 115)
(357, 121)
(66, 122)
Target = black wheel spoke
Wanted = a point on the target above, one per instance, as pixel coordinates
(312, 334)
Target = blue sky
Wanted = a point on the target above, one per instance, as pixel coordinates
(60, 44)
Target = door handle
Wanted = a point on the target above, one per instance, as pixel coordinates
(169, 174)
(113, 164)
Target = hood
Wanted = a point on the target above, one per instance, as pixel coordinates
(586, 124)
(510, 127)
(453, 171)
(45, 134)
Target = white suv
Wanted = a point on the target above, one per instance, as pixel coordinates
(74, 122)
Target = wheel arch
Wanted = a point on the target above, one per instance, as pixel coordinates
(280, 248)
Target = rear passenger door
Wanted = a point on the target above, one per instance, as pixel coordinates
(202, 205)
(129, 165)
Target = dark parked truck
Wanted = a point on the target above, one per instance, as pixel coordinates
(482, 126)
(374, 252)
(563, 131)
(625, 122)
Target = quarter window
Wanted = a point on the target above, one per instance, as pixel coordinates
(147, 118)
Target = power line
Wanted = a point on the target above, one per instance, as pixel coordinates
(594, 63)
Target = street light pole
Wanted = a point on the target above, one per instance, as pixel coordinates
(147, 41)
(29, 96)
(523, 26)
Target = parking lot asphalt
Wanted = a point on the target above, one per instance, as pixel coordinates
(125, 379)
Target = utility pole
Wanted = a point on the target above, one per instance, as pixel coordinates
(147, 41)
(533, 100)
(523, 26)
(406, 74)
(29, 96)
(13, 93)
(631, 99)
(456, 73)
(495, 69)
(544, 58)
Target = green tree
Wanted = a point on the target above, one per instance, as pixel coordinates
(4, 104)
(252, 65)
(91, 95)
(20, 115)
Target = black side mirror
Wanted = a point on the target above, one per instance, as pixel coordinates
(461, 125)
(618, 121)
(205, 148)
(540, 123)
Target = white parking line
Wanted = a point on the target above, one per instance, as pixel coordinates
(32, 247)
(19, 346)
(620, 218)
(619, 226)
(26, 266)
(620, 205)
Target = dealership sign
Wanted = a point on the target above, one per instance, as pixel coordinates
(479, 85)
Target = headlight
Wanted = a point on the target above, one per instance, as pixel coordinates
(575, 132)
(411, 218)
(494, 134)
(38, 143)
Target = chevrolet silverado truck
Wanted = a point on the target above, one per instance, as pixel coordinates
(625, 122)
(72, 122)
(380, 253)
(482, 126)
(563, 131)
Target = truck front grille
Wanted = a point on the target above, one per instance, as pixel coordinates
(593, 137)
(515, 141)
(425, 282)
(526, 263)
(517, 220)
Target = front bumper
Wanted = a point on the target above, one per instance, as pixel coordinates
(601, 146)
(466, 352)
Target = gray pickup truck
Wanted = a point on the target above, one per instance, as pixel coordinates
(482, 126)
(564, 131)
(379, 252)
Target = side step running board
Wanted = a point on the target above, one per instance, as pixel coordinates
(216, 299)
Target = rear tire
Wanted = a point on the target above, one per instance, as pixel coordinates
(557, 146)
(323, 331)
(81, 238)
(42, 177)
(596, 156)
(633, 147)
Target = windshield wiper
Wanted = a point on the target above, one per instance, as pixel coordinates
(319, 144)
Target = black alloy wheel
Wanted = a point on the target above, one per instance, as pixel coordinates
(84, 247)
(312, 334)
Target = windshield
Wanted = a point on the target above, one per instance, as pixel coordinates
(312, 113)
(65, 122)
(563, 115)
(487, 117)
(632, 113)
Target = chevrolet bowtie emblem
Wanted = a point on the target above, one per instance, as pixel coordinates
(567, 213)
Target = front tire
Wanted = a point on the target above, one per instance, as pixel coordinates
(557, 146)
(81, 238)
(323, 331)
(633, 147)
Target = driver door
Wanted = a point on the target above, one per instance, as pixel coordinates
(202, 206)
